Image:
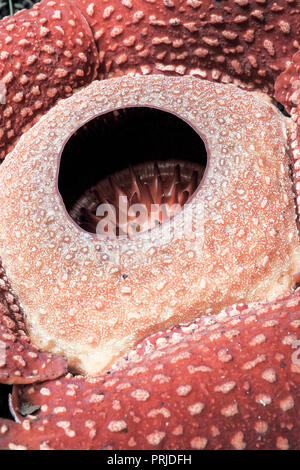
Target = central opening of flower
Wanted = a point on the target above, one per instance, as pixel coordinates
(129, 170)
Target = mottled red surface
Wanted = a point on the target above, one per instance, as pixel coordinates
(226, 382)
(46, 53)
(222, 40)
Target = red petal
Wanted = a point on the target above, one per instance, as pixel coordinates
(46, 53)
(223, 382)
(20, 362)
(242, 40)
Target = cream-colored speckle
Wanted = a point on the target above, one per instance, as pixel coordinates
(230, 410)
(259, 339)
(287, 403)
(178, 431)
(263, 399)
(196, 408)
(225, 387)
(282, 443)
(238, 441)
(198, 443)
(269, 375)
(59, 410)
(117, 426)
(261, 427)
(156, 437)
(159, 411)
(140, 394)
(183, 390)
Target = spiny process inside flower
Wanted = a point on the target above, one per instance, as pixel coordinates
(92, 299)
(144, 194)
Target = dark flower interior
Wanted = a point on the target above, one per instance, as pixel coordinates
(128, 138)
